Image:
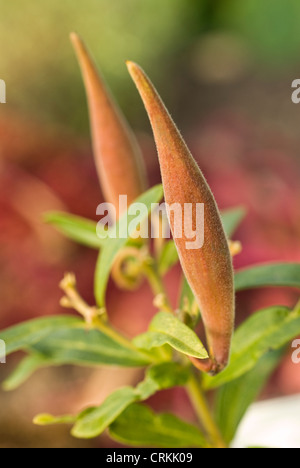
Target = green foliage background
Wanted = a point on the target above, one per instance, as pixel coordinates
(39, 66)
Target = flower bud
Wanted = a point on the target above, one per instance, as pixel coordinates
(117, 155)
(208, 269)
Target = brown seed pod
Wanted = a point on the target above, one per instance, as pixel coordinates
(207, 269)
(117, 155)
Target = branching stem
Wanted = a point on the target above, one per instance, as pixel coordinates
(94, 317)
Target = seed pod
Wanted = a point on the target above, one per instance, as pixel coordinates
(117, 155)
(207, 269)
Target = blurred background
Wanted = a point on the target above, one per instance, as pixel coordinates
(224, 69)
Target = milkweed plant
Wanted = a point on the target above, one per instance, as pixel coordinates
(232, 365)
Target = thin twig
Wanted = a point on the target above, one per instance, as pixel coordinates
(203, 412)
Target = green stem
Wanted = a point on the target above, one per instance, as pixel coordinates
(108, 330)
(193, 387)
(94, 317)
(156, 283)
(203, 412)
(114, 334)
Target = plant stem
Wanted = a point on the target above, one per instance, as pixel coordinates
(203, 412)
(94, 317)
(193, 387)
(73, 300)
(114, 334)
(156, 283)
(110, 331)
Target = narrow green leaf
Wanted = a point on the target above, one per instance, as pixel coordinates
(48, 419)
(168, 258)
(24, 335)
(138, 425)
(162, 376)
(272, 274)
(112, 245)
(93, 423)
(268, 329)
(24, 370)
(231, 219)
(158, 377)
(167, 329)
(168, 374)
(63, 340)
(79, 345)
(234, 398)
(81, 230)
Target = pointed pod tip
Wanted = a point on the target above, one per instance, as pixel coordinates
(74, 37)
(77, 43)
(83, 56)
(135, 69)
(132, 66)
(139, 77)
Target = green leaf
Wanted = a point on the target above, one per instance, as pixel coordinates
(162, 376)
(138, 425)
(231, 219)
(272, 274)
(24, 370)
(167, 329)
(113, 245)
(24, 335)
(47, 419)
(234, 398)
(81, 230)
(168, 257)
(268, 329)
(63, 340)
(168, 374)
(94, 422)
(82, 346)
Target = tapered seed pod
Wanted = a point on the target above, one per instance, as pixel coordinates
(117, 155)
(207, 269)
